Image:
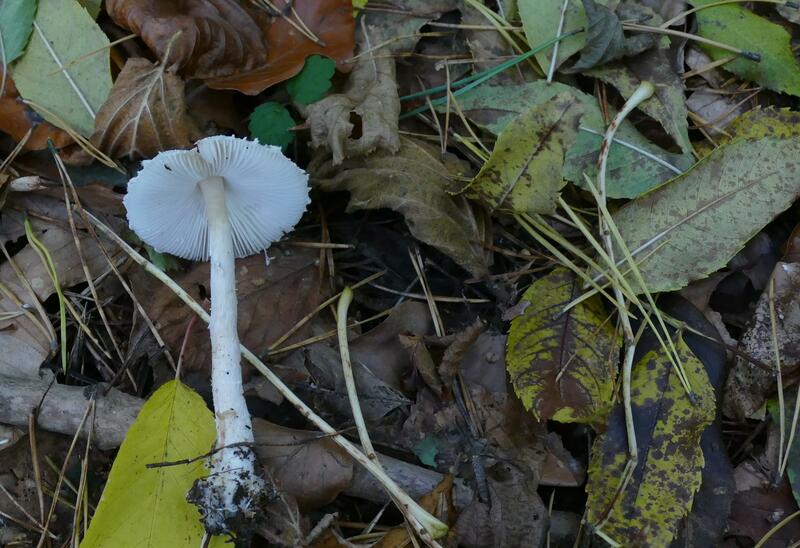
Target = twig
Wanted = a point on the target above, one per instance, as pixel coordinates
(552, 69)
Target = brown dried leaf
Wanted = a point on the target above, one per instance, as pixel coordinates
(235, 45)
(144, 114)
(16, 118)
(307, 465)
(361, 119)
(272, 298)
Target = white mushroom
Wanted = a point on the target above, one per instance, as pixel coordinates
(226, 198)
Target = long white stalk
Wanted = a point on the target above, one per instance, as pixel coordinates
(234, 490)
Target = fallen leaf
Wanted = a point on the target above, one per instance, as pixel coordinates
(717, 109)
(145, 113)
(238, 46)
(17, 118)
(363, 118)
(414, 182)
(693, 225)
(667, 105)
(147, 507)
(308, 466)
(732, 24)
(668, 430)
(605, 41)
(629, 173)
(563, 364)
(749, 386)
(49, 73)
(765, 122)
(272, 298)
(540, 21)
(523, 173)
(271, 123)
(16, 25)
(313, 82)
(398, 28)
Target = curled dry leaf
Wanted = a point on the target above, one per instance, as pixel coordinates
(233, 45)
(16, 119)
(144, 114)
(364, 117)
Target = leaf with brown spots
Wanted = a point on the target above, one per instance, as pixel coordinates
(668, 429)
(523, 174)
(563, 363)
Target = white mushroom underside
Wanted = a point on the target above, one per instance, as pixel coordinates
(266, 195)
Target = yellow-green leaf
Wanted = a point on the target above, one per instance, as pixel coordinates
(523, 173)
(668, 474)
(563, 364)
(732, 24)
(146, 507)
(65, 69)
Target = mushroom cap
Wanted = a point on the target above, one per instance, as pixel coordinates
(265, 193)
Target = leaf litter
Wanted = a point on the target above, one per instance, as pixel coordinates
(497, 244)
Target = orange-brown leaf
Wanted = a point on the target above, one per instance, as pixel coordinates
(16, 118)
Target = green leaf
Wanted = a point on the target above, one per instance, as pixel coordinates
(765, 122)
(540, 20)
(732, 24)
(523, 173)
(313, 81)
(92, 6)
(668, 429)
(65, 33)
(426, 450)
(146, 507)
(271, 123)
(415, 182)
(605, 41)
(629, 173)
(563, 364)
(693, 225)
(16, 24)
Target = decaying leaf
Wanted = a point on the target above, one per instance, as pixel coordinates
(361, 119)
(414, 182)
(145, 113)
(629, 172)
(69, 77)
(695, 224)
(16, 119)
(309, 466)
(668, 430)
(523, 173)
(563, 364)
(717, 110)
(144, 506)
(749, 386)
(398, 28)
(233, 45)
(272, 298)
(765, 122)
(733, 24)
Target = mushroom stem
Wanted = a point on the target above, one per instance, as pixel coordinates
(230, 497)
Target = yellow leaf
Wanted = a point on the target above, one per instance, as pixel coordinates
(146, 507)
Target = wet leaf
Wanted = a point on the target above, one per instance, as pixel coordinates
(667, 105)
(16, 25)
(147, 507)
(523, 173)
(313, 82)
(668, 430)
(234, 45)
(308, 466)
(272, 298)
(145, 113)
(271, 123)
(563, 364)
(693, 225)
(629, 172)
(605, 41)
(65, 33)
(16, 118)
(540, 20)
(748, 385)
(363, 118)
(732, 24)
(415, 183)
